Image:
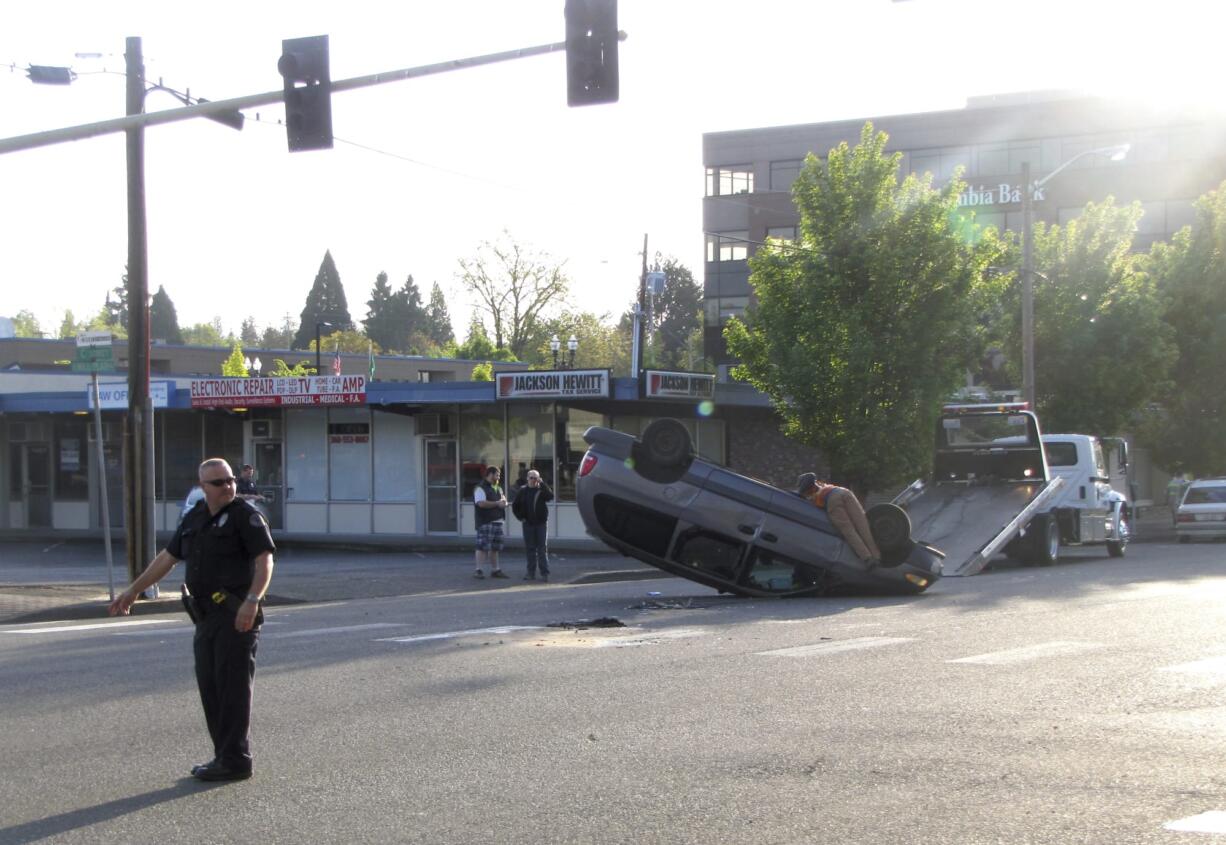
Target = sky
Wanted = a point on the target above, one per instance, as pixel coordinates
(425, 170)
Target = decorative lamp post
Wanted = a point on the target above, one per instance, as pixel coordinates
(554, 346)
(257, 366)
(572, 346)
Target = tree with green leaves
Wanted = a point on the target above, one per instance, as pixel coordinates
(438, 320)
(234, 365)
(1101, 349)
(163, 320)
(866, 323)
(68, 326)
(1185, 429)
(347, 341)
(280, 369)
(479, 347)
(116, 305)
(675, 315)
(279, 338)
(25, 324)
(601, 344)
(325, 303)
(515, 288)
(207, 334)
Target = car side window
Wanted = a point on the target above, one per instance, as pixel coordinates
(779, 573)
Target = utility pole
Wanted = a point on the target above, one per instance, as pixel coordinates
(138, 431)
(1028, 392)
(636, 342)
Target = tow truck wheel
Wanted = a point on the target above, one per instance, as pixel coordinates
(666, 443)
(1116, 548)
(1046, 539)
(890, 525)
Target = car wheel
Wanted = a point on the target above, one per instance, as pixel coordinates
(1045, 537)
(666, 443)
(890, 525)
(1116, 548)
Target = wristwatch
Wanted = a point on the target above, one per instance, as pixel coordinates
(253, 597)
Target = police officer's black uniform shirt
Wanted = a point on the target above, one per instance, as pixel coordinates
(220, 548)
(246, 487)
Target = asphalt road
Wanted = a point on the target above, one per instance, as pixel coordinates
(1077, 703)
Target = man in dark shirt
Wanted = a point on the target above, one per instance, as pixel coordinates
(532, 509)
(228, 550)
(245, 487)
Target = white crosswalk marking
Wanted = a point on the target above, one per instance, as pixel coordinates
(59, 629)
(648, 638)
(835, 647)
(1213, 821)
(1030, 652)
(447, 635)
(344, 629)
(1208, 666)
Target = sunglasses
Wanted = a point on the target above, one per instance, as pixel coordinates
(219, 482)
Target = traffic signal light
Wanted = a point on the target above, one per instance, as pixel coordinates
(591, 52)
(308, 93)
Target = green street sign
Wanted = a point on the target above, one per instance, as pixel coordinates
(93, 359)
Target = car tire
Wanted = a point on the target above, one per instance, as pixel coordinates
(890, 526)
(1123, 530)
(1045, 540)
(666, 443)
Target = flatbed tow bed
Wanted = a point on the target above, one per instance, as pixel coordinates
(990, 478)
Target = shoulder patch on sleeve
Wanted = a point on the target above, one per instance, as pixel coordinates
(257, 520)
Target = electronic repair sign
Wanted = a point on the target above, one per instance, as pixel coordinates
(282, 392)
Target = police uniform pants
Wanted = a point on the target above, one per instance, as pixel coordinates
(848, 516)
(225, 672)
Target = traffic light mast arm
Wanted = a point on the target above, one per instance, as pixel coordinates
(214, 107)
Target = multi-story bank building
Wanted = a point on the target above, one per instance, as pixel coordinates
(1173, 157)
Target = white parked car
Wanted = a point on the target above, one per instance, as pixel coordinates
(1202, 510)
(195, 495)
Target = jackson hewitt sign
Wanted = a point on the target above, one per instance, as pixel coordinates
(553, 384)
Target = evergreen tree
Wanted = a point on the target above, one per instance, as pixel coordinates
(381, 317)
(438, 321)
(234, 365)
(324, 304)
(249, 334)
(116, 307)
(163, 321)
(411, 317)
(25, 324)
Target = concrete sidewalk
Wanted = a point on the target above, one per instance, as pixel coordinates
(69, 580)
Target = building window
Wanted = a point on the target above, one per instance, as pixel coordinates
(179, 453)
(727, 246)
(394, 458)
(482, 444)
(571, 423)
(926, 161)
(720, 308)
(349, 454)
(223, 437)
(729, 180)
(784, 173)
(1179, 213)
(71, 461)
(992, 159)
(782, 233)
(530, 441)
(1021, 153)
(306, 461)
(1153, 220)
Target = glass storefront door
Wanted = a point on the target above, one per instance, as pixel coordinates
(442, 487)
(268, 480)
(32, 472)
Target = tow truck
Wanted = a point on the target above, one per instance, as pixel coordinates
(990, 486)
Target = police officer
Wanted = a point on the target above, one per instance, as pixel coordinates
(228, 550)
(246, 485)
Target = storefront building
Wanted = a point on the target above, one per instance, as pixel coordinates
(344, 456)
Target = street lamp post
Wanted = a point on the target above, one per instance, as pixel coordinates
(317, 328)
(572, 346)
(1029, 189)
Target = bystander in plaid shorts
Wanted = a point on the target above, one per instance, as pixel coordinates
(489, 537)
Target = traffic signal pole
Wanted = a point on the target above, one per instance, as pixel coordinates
(594, 64)
(215, 107)
(138, 425)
